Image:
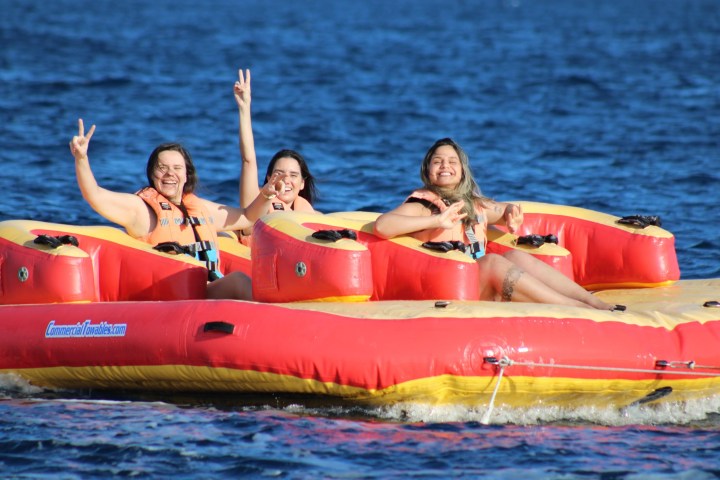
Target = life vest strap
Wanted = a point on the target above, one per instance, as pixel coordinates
(194, 220)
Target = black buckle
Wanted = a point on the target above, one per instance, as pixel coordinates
(173, 248)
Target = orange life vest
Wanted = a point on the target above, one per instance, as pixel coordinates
(194, 233)
(475, 237)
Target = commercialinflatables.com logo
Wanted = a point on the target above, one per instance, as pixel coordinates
(85, 329)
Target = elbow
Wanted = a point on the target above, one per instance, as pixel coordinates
(379, 229)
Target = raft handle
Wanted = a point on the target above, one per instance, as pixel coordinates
(56, 241)
(537, 240)
(641, 221)
(222, 327)
(712, 303)
(335, 235)
(441, 304)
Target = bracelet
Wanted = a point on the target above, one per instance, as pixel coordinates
(269, 197)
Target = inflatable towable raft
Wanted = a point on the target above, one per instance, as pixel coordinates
(343, 315)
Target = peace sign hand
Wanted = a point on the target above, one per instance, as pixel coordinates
(79, 143)
(513, 217)
(241, 89)
(273, 187)
(451, 216)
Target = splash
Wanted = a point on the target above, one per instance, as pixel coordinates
(13, 386)
(691, 412)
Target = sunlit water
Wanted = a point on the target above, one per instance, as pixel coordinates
(612, 106)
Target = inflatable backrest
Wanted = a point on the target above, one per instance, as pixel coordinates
(554, 255)
(289, 265)
(112, 266)
(33, 273)
(606, 254)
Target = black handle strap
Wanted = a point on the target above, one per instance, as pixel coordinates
(56, 241)
(335, 235)
(641, 221)
(537, 240)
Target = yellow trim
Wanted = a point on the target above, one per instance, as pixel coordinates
(608, 286)
(345, 299)
(514, 391)
(291, 224)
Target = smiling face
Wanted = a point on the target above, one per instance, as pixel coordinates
(291, 175)
(444, 168)
(169, 175)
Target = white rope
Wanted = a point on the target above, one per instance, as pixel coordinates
(486, 418)
(611, 369)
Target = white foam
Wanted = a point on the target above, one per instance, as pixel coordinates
(12, 385)
(679, 413)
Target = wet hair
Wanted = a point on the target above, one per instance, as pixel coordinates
(467, 190)
(309, 192)
(191, 175)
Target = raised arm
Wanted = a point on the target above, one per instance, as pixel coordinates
(414, 217)
(125, 209)
(248, 168)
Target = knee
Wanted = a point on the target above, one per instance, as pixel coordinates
(518, 257)
(241, 285)
(491, 259)
(492, 262)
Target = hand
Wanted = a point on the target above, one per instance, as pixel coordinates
(79, 143)
(450, 217)
(273, 187)
(242, 90)
(513, 217)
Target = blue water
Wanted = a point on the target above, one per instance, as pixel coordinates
(608, 105)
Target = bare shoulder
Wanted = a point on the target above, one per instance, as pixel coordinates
(302, 205)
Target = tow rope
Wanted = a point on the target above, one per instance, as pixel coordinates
(505, 362)
(690, 365)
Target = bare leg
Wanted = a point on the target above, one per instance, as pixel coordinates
(235, 285)
(506, 281)
(554, 279)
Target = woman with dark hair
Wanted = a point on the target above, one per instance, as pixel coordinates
(298, 191)
(451, 207)
(167, 211)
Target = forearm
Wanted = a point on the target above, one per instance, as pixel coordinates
(391, 225)
(258, 207)
(121, 208)
(91, 191)
(248, 169)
